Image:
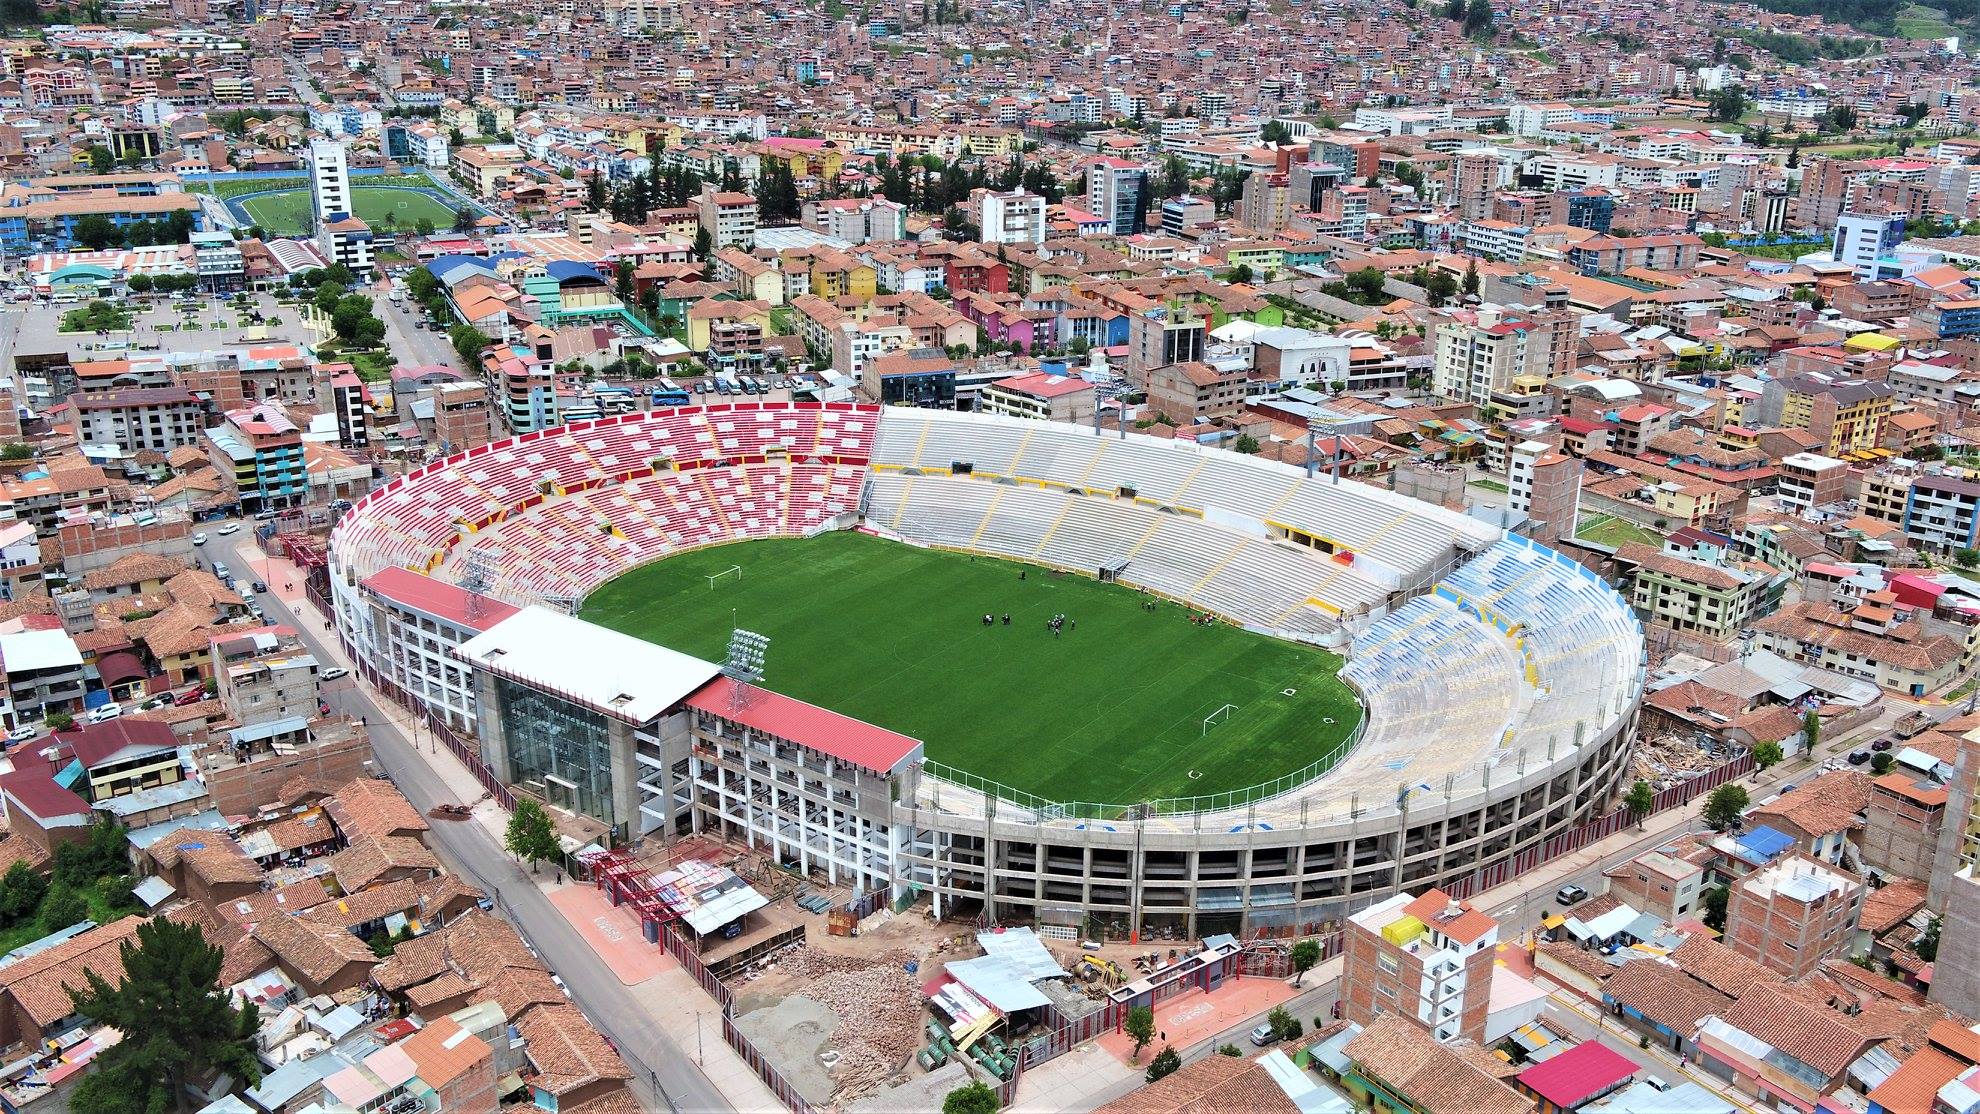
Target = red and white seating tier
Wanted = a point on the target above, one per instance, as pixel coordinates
(564, 510)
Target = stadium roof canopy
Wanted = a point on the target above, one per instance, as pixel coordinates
(586, 664)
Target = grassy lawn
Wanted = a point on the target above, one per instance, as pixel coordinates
(371, 366)
(1607, 529)
(96, 317)
(1110, 712)
(1490, 485)
(287, 213)
(1917, 21)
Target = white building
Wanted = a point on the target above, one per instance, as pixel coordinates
(857, 220)
(1863, 240)
(1011, 218)
(329, 181)
(1532, 119)
(413, 624)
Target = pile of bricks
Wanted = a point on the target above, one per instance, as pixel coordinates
(879, 1007)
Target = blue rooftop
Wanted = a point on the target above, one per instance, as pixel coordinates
(1766, 843)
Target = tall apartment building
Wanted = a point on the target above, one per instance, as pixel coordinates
(1115, 189)
(266, 678)
(156, 418)
(1795, 914)
(1808, 480)
(1956, 974)
(1016, 217)
(342, 236)
(1427, 958)
(857, 220)
(1165, 335)
(1266, 200)
(1863, 240)
(729, 218)
(1712, 601)
(1480, 352)
(1476, 177)
(1545, 486)
(262, 451)
(1847, 414)
(1943, 511)
(462, 418)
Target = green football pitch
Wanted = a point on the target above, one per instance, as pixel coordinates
(1112, 711)
(286, 213)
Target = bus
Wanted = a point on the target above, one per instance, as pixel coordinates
(670, 393)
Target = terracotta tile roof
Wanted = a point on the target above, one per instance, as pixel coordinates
(1825, 805)
(1719, 967)
(426, 995)
(484, 944)
(373, 807)
(518, 990)
(1212, 1085)
(413, 962)
(317, 952)
(215, 857)
(1912, 1088)
(36, 983)
(1817, 1037)
(1889, 905)
(1432, 1076)
(1577, 960)
(443, 1052)
(567, 1051)
(1665, 995)
(621, 1101)
(365, 906)
(369, 858)
(295, 897)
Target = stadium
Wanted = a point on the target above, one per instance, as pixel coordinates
(1485, 703)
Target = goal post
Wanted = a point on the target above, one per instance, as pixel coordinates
(732, 570)
(1217, 717)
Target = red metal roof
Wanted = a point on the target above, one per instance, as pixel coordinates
(827, 732)
(1581, 1073)
(437, 598)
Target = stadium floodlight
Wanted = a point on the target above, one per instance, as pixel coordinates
(747, 650)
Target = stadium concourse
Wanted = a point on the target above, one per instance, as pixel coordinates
(1499, 679)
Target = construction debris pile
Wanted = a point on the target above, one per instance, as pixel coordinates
(1665, 760)
(879, 1007)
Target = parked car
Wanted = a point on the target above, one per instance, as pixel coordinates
(1858, 757)
(1570, 894)
(199, 539)
(260, 587)
(1263, 1035)
(230, 528)
(104, 713)
(1881, 744)
(192, 695)
(23, 733)
(336, 674)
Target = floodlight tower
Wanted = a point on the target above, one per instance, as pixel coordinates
(744, 666)
(474, 577)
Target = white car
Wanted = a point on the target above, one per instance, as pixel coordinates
(230, 528)
(337, 674)
(199, 539)
(23, 734)
(104, 713)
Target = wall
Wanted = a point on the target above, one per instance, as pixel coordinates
(242, 790)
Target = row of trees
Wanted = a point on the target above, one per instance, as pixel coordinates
(99, 233)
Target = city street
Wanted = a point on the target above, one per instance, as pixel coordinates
(411, 345)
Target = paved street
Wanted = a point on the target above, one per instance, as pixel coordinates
(410, 344)
(670, 1079)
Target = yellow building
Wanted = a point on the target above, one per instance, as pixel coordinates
(703, 315)
(833, 279)
(1848, 415)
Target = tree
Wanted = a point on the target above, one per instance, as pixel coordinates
(1471, 279)
(1724, 806)
(1140, 1026)
(1714, 903)
(1367, 283)
(1640, 799)
(531, 835)
(1304, 955)
(177, 1022)
(1966, 558)
(60, 721)
(463, 219)
(139, 283)
(1441, 287)
(96, 233)
(65, 906)
(1766, 755)
(1927, 944)
(469, 342)
(16, 450)
(704, 244)
(21, 892)
(970, 1098)
(1230, 1050)
(1246, 444)
(101, 161)
(423, 227)
(1165, 1063)
(1882, 763)
(1275, 131)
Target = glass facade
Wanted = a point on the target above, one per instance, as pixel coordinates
(561, 748)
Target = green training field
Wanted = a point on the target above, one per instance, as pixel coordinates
(287, 213)
(1110, 712)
